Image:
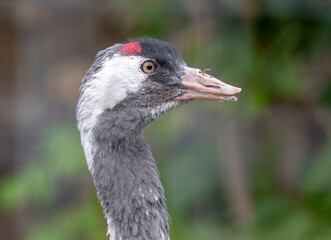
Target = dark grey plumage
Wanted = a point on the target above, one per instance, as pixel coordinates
(126, 177)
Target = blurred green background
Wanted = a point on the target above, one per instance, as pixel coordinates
(256, 169)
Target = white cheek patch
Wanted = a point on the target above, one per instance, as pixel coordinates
(118, 77)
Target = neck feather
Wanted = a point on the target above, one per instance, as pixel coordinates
(127, 179)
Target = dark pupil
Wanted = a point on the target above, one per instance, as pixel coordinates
(149, 66)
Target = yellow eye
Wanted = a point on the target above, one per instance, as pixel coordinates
(148, 67)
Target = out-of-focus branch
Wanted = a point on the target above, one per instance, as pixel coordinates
(233, 172)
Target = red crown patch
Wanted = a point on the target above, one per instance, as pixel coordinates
(131, 48)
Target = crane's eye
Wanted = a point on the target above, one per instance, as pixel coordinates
(148, 67)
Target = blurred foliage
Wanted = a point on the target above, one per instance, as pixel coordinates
(272, 56)
(43, 185)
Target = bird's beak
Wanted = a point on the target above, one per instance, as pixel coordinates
(199, 85)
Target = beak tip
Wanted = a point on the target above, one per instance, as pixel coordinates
(230, 90)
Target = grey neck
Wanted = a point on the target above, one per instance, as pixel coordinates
(127, 179)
